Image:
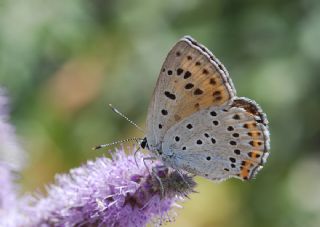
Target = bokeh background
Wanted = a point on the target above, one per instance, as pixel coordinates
(63, 61)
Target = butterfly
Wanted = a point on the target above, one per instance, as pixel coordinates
(196, 123)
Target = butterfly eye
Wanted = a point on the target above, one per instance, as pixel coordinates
(144, 143)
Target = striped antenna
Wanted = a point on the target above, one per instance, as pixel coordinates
(116, 142)
(125, 117)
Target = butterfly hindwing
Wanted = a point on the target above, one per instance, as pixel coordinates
(191, 79)
(220, 142)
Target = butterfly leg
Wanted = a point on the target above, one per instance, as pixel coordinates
(160, 182)
(154, 173)
(135, 155)
(144, 159)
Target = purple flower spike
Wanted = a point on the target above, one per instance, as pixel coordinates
(104, 192)
(112, 192)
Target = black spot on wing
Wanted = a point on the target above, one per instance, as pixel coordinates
(170, 95)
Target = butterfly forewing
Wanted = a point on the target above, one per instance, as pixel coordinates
(219, 142)
(191, 79)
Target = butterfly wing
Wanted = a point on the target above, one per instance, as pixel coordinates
(220, 142)
(191, 79)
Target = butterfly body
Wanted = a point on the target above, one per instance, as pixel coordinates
(196, 123)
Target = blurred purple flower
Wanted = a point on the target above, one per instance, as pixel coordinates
(10, 150)
(111, 192)
(7, 189)
(10, 205)
(11, 160)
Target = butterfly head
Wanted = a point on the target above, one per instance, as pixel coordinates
(157, 151)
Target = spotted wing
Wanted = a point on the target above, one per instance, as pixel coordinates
(191, 79)
(219, 143)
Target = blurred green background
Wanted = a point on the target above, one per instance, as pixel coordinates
(63, 61)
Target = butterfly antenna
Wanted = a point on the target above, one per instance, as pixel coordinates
(117, 142)
(125, 117)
